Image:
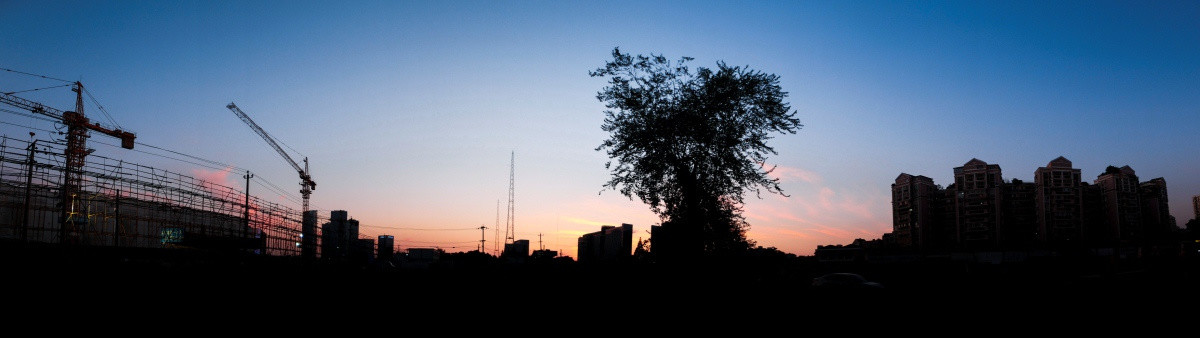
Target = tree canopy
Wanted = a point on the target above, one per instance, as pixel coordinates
(691, 144)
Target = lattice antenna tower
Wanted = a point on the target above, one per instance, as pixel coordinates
(509, 231)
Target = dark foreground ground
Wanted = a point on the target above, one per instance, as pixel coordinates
(88, 285)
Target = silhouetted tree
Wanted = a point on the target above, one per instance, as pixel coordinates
(691, 144)
(641, 252)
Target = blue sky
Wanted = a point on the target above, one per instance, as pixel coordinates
(408, 111)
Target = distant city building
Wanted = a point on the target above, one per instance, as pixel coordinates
(308, 236)
(331, 235)
(387, 247)
(856, 251)
(1196, 206)
(362, 251)
(420, 257)
(543, 255)
(518, 250)
(1060, 214)
(350, 231)
(610, 244)
(978, 204)
(339, 237)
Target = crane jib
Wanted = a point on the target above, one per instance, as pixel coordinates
(306, 182)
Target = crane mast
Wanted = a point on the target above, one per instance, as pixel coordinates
(306, 183)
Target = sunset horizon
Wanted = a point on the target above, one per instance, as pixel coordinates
(442, 123)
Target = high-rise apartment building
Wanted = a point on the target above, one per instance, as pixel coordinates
(914, 211)
(1120, 200)
(980, 211)
(387, 247)
(1196, 206)
(1156, 218)
(1020, 227)
(978, 204)
(1060, 217)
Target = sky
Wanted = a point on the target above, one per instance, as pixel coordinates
(414, 115)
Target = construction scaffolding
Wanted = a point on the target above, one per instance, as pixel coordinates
(127, 205)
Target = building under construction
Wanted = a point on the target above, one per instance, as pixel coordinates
(131, 206)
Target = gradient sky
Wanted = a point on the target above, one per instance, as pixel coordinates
(408, 111)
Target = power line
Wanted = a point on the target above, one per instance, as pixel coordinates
(419, 229)
(14, 124)
(36, 89)
(85, 91)
(278, 190)
(41, 76)
(459, 242)
(222, 165)
(161, 155)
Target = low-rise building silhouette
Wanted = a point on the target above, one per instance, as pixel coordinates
(420, 257)
(517, 251)
(543, 255)
(610, 244)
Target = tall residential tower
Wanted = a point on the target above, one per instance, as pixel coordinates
(1059, 203)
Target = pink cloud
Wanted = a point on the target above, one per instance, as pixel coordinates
(826, 196)
(793, 233)
(831, 231)
(820, 214)
(220, 177)
(769, 213)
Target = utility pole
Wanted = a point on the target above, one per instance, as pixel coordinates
(246, 208)
(497, 251)
(482, 235)
(28, 187)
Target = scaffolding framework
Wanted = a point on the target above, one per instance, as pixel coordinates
(127, 205)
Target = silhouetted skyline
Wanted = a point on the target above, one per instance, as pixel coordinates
(409, 111)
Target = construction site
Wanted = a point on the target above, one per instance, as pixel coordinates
(57, 197)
